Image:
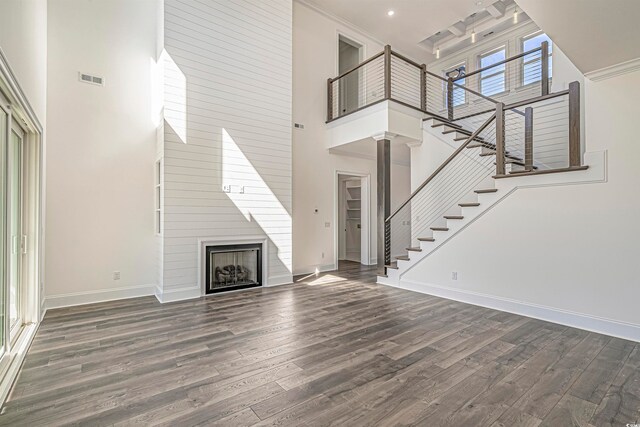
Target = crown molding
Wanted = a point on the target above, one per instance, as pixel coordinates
(340, 21)
(614, 70)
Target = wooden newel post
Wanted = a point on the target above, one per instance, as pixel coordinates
(500, 143)
(574, 124)
(329, 100)
(383, 203)
(450, 98)
(528, 138)
(423, 88)
(545, 68)
(387, 72)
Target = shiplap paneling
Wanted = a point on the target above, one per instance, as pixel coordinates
(228, 95)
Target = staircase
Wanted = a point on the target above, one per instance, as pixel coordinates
(464, 186)
(528, 131)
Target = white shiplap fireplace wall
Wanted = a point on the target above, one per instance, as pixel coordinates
(227, 139)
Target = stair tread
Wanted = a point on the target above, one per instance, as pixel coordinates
(486, 190)
(468, 205)
(464, 138)
(393, 265)
(482, 145)
(453, 217)
(414, 249)
(426, 239)
(460, 130)
(446, 124)
(403, 258)
(440, 228)
(507, 156)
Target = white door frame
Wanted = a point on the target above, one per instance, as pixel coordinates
(365, 215)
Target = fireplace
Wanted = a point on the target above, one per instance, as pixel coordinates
(231, 267)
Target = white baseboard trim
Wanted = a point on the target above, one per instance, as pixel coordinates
(286, 279)
(103, 295)
(587, 322)
(180, 294)
(311, 269)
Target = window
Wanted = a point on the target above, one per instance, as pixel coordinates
(531, 63)
(459, 94)
(493, 80)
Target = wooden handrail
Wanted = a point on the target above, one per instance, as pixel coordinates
(536, 99)
(504, 61)
(362, 64)
(473, 136)
(405, 59)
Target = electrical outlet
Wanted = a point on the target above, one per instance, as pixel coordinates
(242, 189)
(116, 275)
(226, 188)
(454, 275)
(322, 254)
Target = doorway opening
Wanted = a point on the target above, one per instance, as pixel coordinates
(353, 219)
(350, 54)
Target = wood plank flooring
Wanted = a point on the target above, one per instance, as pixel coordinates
(335, 349)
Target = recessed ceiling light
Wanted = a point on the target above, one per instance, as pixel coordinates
(478, 3)
(391, 13)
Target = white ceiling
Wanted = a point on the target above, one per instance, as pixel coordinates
(413, 21)
(594, 34)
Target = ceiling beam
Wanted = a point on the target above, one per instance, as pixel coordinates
(497, 9)
(458, 29)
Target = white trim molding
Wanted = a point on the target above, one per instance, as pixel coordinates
(614, 70)
(102, 295)
(180, 294)
(587, 322)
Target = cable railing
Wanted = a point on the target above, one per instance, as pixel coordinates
(440, 193)
(514, 125)
(513, 79)
(537, 135)
(546, 138)
(385, 76)
(467, 99)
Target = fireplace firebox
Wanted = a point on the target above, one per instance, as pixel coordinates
(232, 267)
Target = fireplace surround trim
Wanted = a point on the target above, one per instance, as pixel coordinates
(220, 241)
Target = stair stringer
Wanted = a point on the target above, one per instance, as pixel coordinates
(596, 173)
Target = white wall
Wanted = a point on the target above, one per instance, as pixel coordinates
(23, 39)
(315, 41)
(227, 122)
(569, 248)
(101, 147)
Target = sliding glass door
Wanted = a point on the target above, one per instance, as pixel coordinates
(15, 229)
(12, 239)
(4, 133)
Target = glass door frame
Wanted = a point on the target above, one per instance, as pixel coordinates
(19, 244)
(5, 355)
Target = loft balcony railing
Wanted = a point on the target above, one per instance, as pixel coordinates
(390, 76)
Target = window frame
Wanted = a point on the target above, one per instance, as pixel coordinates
(523, 39)
(490, 52)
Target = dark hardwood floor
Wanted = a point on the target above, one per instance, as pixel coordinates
(330, 350)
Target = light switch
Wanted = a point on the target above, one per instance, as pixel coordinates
(327, 224)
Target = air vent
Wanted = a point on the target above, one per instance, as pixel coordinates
(88, 78)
